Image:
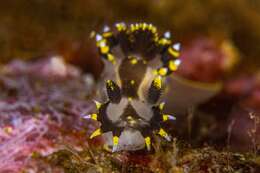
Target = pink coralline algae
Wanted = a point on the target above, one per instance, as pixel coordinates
(206, 60)
(40, 101)
(18, 142)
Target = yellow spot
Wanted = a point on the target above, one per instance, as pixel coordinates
(132, 28)
(101, 42)
(144, 26)
(94, 116)
(129, 117)
(165, 117)
(173, 66)
(130, 120)
(110, 84)
(137, 26)
(130, 98)
(158, 82)
(161, 106)
(115, 143)
(107, 34)
(162, 133)
(162, 71)
(110, 58)
(115, 140)
(104, 49)
(8, 129)
(164, 41)
(95, 133)
(148, 143)
(151, 27)
(154, 30)
(133, 61)
(98, 105)
(173, 52)
(156, 38)
(155, 72)
(120, 27)
(132, 82)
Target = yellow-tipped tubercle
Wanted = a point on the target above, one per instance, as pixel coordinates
(98, 104)
(110, 84)
(158, 82)
(94, 116)
(168, 117)
(120, 26)
(107, 34)
(95, 133)
(115, 143)
(165, 117)
(104, 49)
(148, 143)
(161, 106)
(110, 58)
(115, 140)
(164, 134)
(162, 71)
(173, 66)
(133, 61)
(173, 52)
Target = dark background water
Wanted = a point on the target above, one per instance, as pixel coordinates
(34, 28)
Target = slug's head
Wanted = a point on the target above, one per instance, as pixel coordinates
(140, 61)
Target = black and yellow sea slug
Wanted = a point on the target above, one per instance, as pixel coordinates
(138, 61)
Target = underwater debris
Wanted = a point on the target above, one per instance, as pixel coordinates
(176, 158)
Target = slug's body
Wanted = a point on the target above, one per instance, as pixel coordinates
(137, 61)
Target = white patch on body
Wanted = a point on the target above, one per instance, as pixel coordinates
(114, 111)
(145, 84)
(143, 109)
(130, 140)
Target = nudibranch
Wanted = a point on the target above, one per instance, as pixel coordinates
(139, 61)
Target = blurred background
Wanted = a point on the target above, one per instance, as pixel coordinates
(220, 53)
(35, 28)
(47, 57)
